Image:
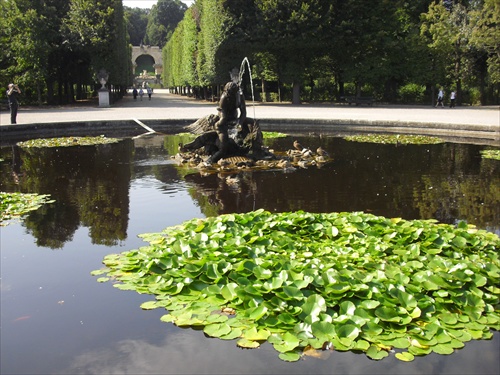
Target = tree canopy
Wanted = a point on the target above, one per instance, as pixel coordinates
(393, 51)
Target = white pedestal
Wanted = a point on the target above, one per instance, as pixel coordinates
(103, 98)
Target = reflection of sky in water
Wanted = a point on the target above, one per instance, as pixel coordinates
(182, 352)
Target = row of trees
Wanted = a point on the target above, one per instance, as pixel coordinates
(398, 50)
(54, 49)
(326, 49)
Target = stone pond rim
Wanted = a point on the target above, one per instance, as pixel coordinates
(461, 133)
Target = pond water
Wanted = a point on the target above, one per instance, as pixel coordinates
(55, 317)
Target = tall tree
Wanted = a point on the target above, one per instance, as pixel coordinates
(486, 35)
(98, 27)
(163, 20)
(295, 35)
(136, 20)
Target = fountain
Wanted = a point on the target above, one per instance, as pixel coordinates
(231, 139)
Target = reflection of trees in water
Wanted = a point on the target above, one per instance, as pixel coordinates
(448, 182)
(382, 179)
(224, 193)
(90, 188)
(470, 190)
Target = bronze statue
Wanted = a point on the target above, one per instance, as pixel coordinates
(230, 133)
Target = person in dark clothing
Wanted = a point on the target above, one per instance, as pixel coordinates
(12, 93)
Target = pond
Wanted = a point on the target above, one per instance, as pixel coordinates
(57, 319)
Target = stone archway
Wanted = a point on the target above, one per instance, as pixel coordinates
(145, 53)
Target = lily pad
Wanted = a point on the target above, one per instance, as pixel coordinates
(285, 278)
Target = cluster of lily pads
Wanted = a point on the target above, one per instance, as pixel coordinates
(304, 281)
(14, 205)
(491, 154)
(67, 141)
(397, 139)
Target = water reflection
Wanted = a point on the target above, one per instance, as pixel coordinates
(185, 352)
(448, 182)
(89, 185)
(107, 195)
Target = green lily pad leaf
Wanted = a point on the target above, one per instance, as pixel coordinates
(150, 305)
(289, 343)
(443, 349)
(323, 330)
(217, 318)
(375, 353)
(347, 308)
(314, 305)
(405, 356)
(99, 272)
(217, 329)
(362, 345)
(293, 292)
(102, 279)
(234, 334)
(407, 300)
(167, 318)
(289, 356)
(372, 329)
(256, 335)
(369, 304)
(248, 344)
(347, 331)
(388, 314)
(257, 312)
(459, 242)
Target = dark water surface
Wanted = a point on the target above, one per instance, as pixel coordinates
(56, 319)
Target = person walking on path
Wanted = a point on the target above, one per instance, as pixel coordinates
(452, 99)
(12, 93)
(134, 93)
(141, 93)
(440, 98)
(150, 91)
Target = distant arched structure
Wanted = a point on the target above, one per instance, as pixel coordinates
(147, 64)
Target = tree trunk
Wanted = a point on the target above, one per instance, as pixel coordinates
(264, 94)
(296, 93)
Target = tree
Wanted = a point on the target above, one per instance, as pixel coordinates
(163, 20)
(97, 27)
(486, 36)
(136, 20)
(294, 32)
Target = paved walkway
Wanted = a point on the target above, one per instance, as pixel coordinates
(166, 106)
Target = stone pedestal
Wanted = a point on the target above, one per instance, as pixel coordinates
(103, 98)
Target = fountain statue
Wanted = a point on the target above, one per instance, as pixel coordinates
(231, 132)
(232, 138)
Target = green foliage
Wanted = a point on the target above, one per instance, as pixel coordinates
(67, 142)
(136, 20)
(353, 281)
(412, 93)
(486, 35)
(491, 154)
(396, 139)
(15, 205)
(163, 20)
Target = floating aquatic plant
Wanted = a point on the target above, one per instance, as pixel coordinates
(491, 154)
(67, 141)
(273, 135)
(14, 205)
(394, 139)
(306, 282)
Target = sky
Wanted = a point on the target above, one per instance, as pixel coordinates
(147, 3)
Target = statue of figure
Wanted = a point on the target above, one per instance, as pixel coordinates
(231, 133)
